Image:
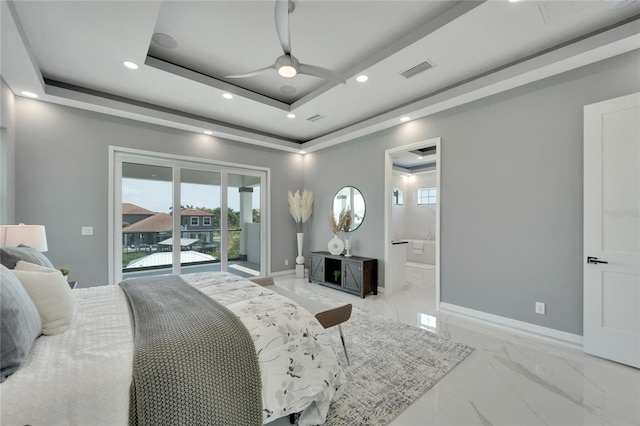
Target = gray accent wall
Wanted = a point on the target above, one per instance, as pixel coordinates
(511, 192)
(62, 175)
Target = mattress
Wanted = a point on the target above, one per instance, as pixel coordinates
(82, 376)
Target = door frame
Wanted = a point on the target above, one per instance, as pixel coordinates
(388, 189)
(115, 188)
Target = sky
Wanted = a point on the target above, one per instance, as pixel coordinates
(156, 195)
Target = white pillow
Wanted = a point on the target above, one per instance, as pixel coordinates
(50, 293)
(23, 265)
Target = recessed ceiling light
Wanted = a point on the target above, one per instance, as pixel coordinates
(362, 78)
(513, 1)
(291, 115)
(288, 90)
(29, 94)
(303, 152)
(405, 118)
(130, 65)
(164, 40)
(419, 158)
(208, 132)
(227, 96)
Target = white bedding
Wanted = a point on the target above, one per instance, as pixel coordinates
(82, 376)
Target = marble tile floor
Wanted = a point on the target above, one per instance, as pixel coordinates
(510, 379)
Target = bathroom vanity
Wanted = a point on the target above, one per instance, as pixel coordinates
(355, 274)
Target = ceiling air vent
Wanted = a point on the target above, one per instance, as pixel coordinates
(413, 71)
(315, 118)
(425, 151)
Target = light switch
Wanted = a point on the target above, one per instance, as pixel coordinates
(87, 230)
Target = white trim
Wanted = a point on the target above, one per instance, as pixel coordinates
(598, 47)
(224, 220)
(388, 188)
(118, 154)
(282, 273)
(175, 157)
(510, 324)
(22, 68)
(110, 217)
(176, 262)
(265, 224)
(438, 204)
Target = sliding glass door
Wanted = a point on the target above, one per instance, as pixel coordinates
(174, 216)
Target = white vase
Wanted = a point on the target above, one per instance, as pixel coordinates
(300, 258)
(336, 245)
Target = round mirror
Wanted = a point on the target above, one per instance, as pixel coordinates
(350, 198)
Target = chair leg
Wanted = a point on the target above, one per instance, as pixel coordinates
(343, 345)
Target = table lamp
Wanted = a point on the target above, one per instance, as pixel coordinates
(30, 235)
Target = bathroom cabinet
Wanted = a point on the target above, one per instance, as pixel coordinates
(355, 274)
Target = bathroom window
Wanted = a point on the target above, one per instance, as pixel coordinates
(427, 196)
(397, 196)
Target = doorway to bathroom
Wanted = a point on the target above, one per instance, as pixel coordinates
(412, 218)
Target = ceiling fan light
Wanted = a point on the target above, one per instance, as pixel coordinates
(287, 71)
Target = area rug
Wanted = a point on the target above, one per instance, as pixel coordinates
(392, 365)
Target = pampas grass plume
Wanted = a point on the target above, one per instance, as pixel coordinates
(300, 206)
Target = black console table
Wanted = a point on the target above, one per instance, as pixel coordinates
(355, 274)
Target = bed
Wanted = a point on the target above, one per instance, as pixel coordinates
(83, 376)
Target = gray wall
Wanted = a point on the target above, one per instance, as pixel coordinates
(7, 155)
(511, 192)
(525, 146)
(62, 179)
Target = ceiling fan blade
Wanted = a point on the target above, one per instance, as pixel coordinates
(282, 25)
(322, 73)
(252, 73)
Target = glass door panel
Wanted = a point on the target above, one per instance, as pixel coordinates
(199, 221)
(244, 234)
(218, 227)
(147, 223)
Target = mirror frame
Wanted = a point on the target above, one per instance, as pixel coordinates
(354, 226)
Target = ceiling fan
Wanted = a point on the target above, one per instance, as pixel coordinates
(287, 65)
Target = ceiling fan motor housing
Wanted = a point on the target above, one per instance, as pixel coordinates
(287, 66)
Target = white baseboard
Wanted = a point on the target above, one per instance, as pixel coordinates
(281, 273)
(380, 290)
(515, 325)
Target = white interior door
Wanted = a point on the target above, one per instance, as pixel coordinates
(612, 229)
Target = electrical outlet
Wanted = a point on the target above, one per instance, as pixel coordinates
(286, 262)
(540, 308)
(86, 230)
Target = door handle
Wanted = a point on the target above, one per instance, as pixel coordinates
(591, 259)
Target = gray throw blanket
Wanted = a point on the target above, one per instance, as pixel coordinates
(194, 362)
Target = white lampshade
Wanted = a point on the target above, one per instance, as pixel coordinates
(30, 235)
